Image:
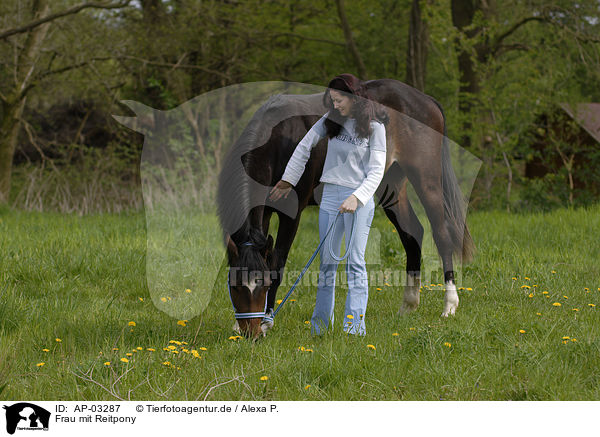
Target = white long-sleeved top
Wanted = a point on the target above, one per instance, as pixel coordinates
(351, 161)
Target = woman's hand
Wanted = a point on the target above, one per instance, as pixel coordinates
(349, 205)
(281, 188)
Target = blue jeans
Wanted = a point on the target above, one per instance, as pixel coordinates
(356, 271)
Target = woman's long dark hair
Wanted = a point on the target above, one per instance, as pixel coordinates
(363, 109)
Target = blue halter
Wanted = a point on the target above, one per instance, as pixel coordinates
(258, 314)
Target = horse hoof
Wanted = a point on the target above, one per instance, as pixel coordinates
(411, 300)
(267, 323)
(407, 308)
(450, 300)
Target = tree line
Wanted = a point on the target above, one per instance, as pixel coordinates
(496, 67)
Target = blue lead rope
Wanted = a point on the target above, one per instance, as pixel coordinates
(348, 246)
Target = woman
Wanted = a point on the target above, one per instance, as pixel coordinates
(353, 169)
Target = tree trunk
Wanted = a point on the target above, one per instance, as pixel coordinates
(360, 66)
(418, 41)
(14, 103)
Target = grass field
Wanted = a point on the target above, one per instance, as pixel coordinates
(74, 297)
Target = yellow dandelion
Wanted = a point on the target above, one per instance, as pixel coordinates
(203, 348)
(461, 288)
(125, 360)
(292, 300)
(573, 340)
(58, 340)
(553, 272)
(564, 342)
(264, 378)
(530, 295)
(163, 299)
(350, 316)
(469, 289)
(566, 297)
(575, 309)
(166, 349)
(40, 364)
(387, 285)
(566, 337)
(301, 348)
(171, 347)
(129, 354)
(378, 289)
(527, 278)
(151, 349)
(522, 331)
(139, 348)
(514, 278)
(175, 352)
(185, 351)
(114, 349)
(447, 344)
(525, 286)
(48, 350)
(557, 304)
(182, 322)
(411, 329)
(308, 350)
(187, 290)
(395, 334)
(370, 346)
(587, 290)
(544, 292)
(279, 301)
(107, 363)
(132, 323)
(178, 343)
(307, 386)
(307, 322)
(166, 363)
(235, 337)
(538, 314)
(591, 305)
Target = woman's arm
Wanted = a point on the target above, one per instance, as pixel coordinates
(295, 167)
(376, 166)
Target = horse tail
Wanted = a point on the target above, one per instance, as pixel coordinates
(454, 202)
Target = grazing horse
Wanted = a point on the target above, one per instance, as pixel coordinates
(417, 151)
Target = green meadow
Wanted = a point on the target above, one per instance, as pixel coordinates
(82, 317)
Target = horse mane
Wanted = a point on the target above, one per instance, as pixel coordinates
(233, 194)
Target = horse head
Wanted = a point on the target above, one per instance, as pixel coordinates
(249, 279)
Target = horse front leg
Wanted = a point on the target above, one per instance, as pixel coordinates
(285, 237)
(394, 199)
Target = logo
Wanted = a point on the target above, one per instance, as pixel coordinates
(25, 416)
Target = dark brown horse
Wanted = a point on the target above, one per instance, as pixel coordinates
(417, 151)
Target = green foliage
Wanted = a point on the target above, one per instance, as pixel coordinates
(523, 66)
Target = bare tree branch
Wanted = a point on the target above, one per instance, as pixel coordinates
(73, 10)
(514, 28)
(360, 66)
(308, 38)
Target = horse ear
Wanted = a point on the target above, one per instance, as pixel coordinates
(268, 247)
(232, 250)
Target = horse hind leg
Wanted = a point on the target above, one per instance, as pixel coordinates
(410, 231)
(431, 196)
